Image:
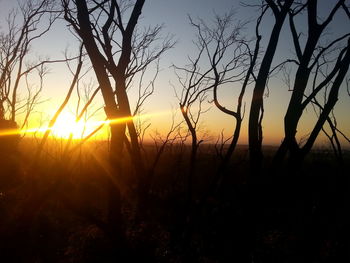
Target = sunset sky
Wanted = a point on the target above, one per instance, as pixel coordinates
(174, 16)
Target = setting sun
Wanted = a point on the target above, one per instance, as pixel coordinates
(66, 125)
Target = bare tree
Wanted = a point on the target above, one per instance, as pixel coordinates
(239, 69)
(117, 51)
(15, 66)
(208, 70)
(316, 55)
(231, 63)
(191, 101)
(280, 11)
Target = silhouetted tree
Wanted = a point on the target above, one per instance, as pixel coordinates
(239, 69)
(191, 101)
(222, 47)
(232, 63)
(116, 49)
(24, 27)
(312, 59)
(280, 11)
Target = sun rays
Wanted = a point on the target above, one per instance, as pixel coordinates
(66, 126)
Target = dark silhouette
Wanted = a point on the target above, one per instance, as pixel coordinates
(280, 12)
(9, 140)
(16, 41)
(131, 60)
(310, 61)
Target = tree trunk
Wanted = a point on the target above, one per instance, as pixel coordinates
(136, 157)
(117, 128)
(254, 129)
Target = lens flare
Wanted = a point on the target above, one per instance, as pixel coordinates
(66, 126)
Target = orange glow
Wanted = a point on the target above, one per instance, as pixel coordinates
(66, 126)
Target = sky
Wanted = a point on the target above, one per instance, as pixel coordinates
(173, 15)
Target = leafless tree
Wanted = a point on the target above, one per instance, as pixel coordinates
(118, 51)
(231, 63)
(280, 11)
(238, 71)
(25, 25)
(192, 96)
(316, 54)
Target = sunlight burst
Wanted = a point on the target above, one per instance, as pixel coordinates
(66, 125)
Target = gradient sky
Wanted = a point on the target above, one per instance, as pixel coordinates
(174, 16)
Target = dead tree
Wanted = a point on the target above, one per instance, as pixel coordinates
(310, 60)
(191, 102)
(222, 47)
(117, 51)
(231, 63)
(24, 27)
(238, 71)
(280, 11)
